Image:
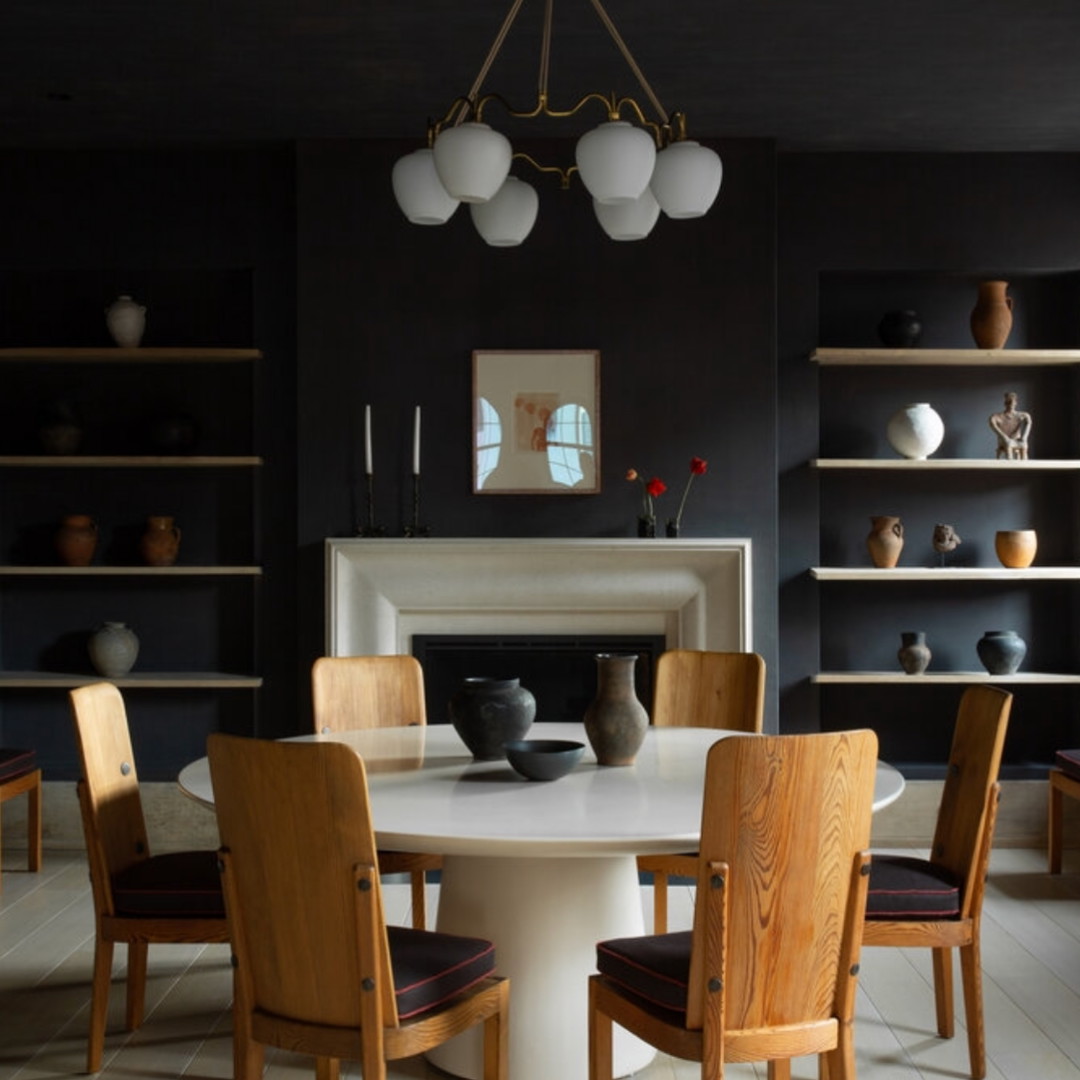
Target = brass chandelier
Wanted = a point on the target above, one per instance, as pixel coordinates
(633, 171)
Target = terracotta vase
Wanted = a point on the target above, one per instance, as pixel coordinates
(160, 543)
(1016, 547)
(616, 721)
(76, 540)
(885, 541)
(992, 316)
(914, 654)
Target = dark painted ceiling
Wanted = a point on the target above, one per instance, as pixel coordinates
(932, 75)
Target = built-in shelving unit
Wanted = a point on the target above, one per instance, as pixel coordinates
(945, 357)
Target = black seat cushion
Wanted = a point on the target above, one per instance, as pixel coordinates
(16, 763)
(431, 969)
(654, 969)
(904, 887)
(179, 884)
(1068, 761)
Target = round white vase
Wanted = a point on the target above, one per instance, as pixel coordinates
(915, 431)
(126, 321)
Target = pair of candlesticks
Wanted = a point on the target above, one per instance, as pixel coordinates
(414, 528)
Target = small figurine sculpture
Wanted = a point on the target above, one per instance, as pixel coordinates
(1012, 427)
(945, 539)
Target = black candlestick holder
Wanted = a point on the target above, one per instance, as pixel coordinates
(370, 528)
(416, 529)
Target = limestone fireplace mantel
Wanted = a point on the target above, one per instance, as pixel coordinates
(697, 593)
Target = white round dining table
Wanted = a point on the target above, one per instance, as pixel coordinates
(543, 869)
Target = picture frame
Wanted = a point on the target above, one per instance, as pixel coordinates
(536, 422)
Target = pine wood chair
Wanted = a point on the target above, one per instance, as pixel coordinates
(769, 970)
(317, 968)
(351, 692)
(701, 689)
(937, 902)
(139, 898)
(20, 775)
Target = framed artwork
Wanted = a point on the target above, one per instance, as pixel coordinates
(536, 422)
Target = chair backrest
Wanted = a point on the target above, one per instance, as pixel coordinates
(961, 835)
(113, 820)
(790, 816)
(295, 825)
(351, 692)
(709, 689)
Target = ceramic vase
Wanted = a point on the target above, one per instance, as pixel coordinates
(992, 316)
(915, 431)
(487, 713)
(914, 654)
(160, 543)
(616, 721)
(646, 527)
(76, 540)
(885, 541)
(113, 649)
(900, 329)
(1000, 651)
(126, 321)
(1016, 548)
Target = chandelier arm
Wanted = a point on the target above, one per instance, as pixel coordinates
(630, 61)
(563, 174)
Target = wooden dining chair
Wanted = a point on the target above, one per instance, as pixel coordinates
(769, 970)
(139, 898)
(317, 968)
(352, 692)
(20, 775)
(937, 902)
(695, 688)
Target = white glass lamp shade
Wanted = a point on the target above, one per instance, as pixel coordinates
(615, 161)
(686, 179)
(418, 190)
(628, 220)
(472, 161)
(509, 215)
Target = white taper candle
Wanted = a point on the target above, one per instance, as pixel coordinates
(416, 442)
(367, 440)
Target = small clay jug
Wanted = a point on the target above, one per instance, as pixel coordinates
(76, 540)
(160, 542)
(616, 722)
(1016, 548)
(914, 654)
(885, 541)
(992, 316)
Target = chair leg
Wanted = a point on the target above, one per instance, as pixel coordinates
(136, 984)
(1055, 818)
(327, 1068)
(248, 1054)
(497, 1040)
(660, 902)
(971, 975)
(943, 991)
(99, 1003)
(418, 881)
(601, 1065)
(33, 827)
(779, 1069)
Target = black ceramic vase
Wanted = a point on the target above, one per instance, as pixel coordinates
(488, 713)
(900, 329)
(1000, 651)
(914, 654)
(616, 721)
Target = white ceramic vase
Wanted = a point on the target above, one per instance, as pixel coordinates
(126, 321)
(915, 431)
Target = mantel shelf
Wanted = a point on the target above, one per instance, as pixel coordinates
(114, 355)
(130, 571)
(945, 357)
(931, 464)
(142, 680)
(938, 677)
(945, 573)
(127, 461)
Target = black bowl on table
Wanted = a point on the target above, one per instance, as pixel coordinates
(543, 759)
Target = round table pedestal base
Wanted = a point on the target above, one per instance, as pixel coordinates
(545, 917)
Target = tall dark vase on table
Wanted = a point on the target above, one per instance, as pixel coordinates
(616, 721)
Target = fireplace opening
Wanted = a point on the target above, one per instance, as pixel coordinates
(559, 669)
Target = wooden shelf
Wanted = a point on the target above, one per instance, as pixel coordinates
(130, 571)
(939, 677)
(933, 464)
(116, 355)
(945, 573)
(127, 461)
(945, 357)
(143, 680)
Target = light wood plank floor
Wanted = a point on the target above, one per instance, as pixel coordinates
(1031, 966)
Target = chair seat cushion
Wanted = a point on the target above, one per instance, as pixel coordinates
(179, 884)
(905, 887)
(654, 969)
(432, 968)
(16, 763)
(1068, 761)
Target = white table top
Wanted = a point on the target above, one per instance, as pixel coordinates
(429, 795)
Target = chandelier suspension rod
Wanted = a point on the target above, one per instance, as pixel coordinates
(630, 61)
(496, 45)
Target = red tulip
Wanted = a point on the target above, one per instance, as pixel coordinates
(698, 466)
(656, 486)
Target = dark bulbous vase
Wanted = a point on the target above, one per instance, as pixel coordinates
(900, 329)
(914, 654)
(488, 713)
(1001, 651)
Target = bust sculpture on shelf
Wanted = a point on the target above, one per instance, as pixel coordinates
(1012, 427)
(945, 539)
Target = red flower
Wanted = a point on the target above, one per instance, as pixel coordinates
(656, 486)
(698, 466)
(649, 489)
